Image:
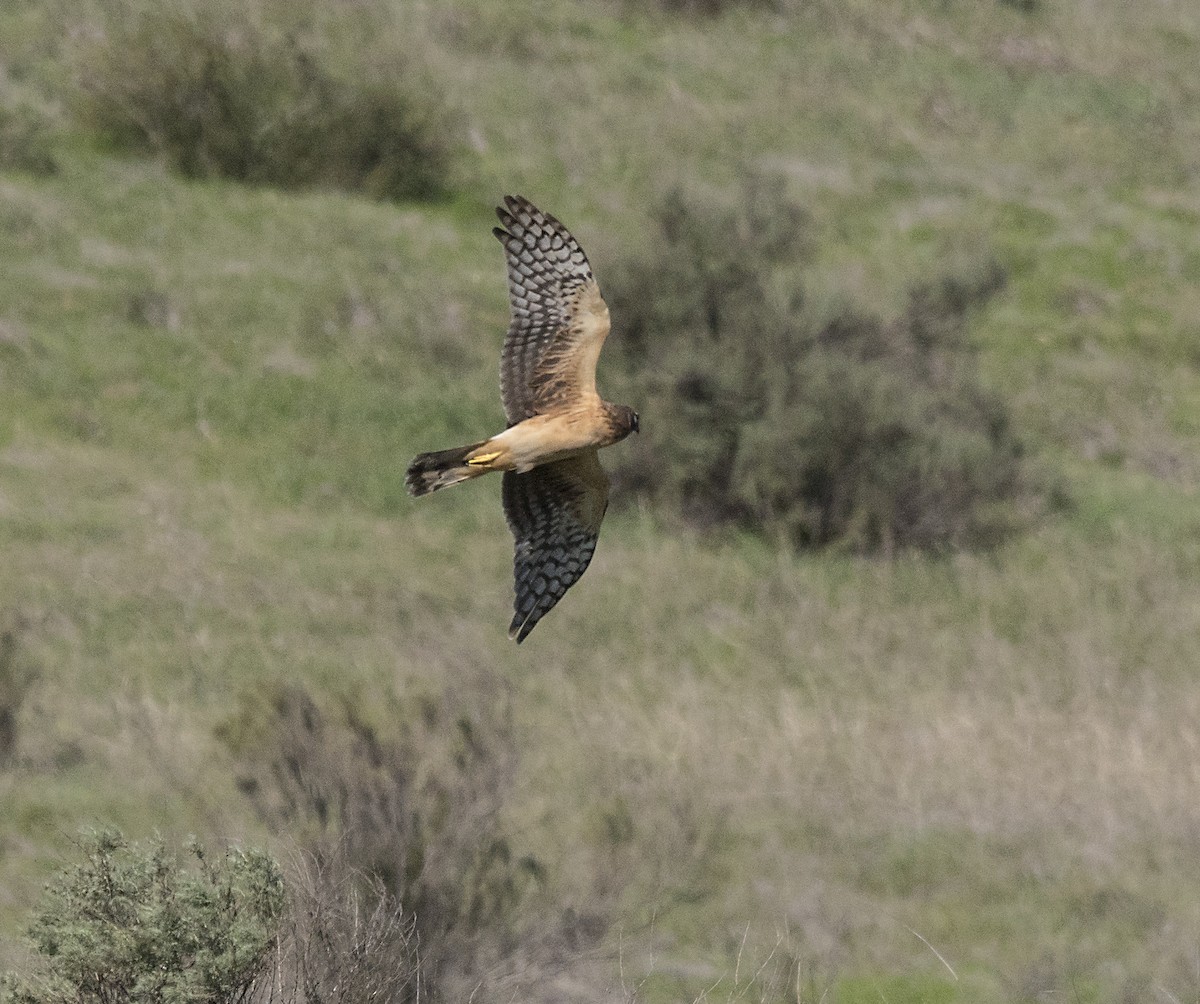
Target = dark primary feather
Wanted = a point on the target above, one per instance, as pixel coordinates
(547, 512)
(546, 267)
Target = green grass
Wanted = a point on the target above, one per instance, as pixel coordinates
(209, 393)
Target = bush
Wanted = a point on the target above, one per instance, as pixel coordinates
(344, 938)
(712, 8)
(27, 131)
(218, 92)
(17, 677)
(761, 413)
(417, 809)
(131, 926)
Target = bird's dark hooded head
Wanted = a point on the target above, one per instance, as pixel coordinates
(624, 421)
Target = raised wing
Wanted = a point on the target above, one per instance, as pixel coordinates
(554, 512)
(559, 320)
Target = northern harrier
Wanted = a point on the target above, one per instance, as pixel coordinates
(554, 490)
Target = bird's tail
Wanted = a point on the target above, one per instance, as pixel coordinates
(430, 471)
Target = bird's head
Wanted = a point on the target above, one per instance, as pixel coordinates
(622, 421)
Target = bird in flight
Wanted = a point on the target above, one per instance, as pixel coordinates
(554, 490)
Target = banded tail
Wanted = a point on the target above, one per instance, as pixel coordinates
(430, 471)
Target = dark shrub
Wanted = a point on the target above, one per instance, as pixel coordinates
(712, 8)
(27, 131)
(217, 92)
(344, 938)
(416, 808)
(17, 677)
(759, 412)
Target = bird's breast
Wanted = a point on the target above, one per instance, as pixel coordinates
(545, 438)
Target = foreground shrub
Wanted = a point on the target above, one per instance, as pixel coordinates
(760, 412)
(218, 92)
(130, 925)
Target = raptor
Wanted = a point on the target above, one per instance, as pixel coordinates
(554, 490)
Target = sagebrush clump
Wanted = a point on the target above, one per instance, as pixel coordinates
(131, 925)
(219, 91)
(761, 412)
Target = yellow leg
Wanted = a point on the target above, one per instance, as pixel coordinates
(483, 458)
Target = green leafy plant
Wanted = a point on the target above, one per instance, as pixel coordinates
(131, 925)
(819, 429)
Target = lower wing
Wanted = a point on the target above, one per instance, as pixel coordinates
(554, 512)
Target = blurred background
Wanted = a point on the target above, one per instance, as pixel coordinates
(882, 683)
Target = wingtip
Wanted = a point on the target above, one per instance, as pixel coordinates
(506, 214)
(515, 204)
(519, 629)
(509, 204)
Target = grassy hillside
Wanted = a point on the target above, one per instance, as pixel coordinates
(778, 777)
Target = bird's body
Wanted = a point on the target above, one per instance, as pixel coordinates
(555, 493)
(530, 443)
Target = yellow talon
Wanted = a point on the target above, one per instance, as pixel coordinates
(483, 458)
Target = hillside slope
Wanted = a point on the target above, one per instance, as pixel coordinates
(971, 777)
